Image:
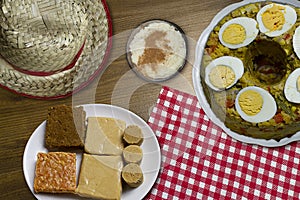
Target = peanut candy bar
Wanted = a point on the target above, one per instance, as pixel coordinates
(55, 172)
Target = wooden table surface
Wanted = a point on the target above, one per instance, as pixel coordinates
(118, 85)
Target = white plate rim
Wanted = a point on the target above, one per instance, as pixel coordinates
(199, 89)
(150, 175)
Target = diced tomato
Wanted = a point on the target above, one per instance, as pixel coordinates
(287, 36)
(211, 49)
(278, 118)
(229, 103)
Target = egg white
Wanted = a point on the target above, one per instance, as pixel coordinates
(234, 63)
(250, 26)
(290, 16)
(290, 89)
(267, 111)
(296, 41)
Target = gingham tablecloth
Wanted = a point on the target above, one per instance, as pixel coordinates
(199, 161)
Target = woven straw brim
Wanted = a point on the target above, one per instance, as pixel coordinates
(89, 64)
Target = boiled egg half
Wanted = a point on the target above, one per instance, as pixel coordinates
(223, 72)
(276, 19)
(292, 87)
(238, 32)
(255, 104)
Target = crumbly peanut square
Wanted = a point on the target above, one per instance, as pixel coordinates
(65, 127)
(55, 172)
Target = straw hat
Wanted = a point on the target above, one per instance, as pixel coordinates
(52, 48)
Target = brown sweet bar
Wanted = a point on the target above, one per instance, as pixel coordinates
(65, 127)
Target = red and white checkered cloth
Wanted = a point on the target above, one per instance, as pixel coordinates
(200, 161)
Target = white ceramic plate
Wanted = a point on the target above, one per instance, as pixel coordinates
(150, 164)
(199, 90)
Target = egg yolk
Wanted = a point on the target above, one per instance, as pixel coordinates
(234, 34)
(221, 76)
(251, 102)
(273, 18)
